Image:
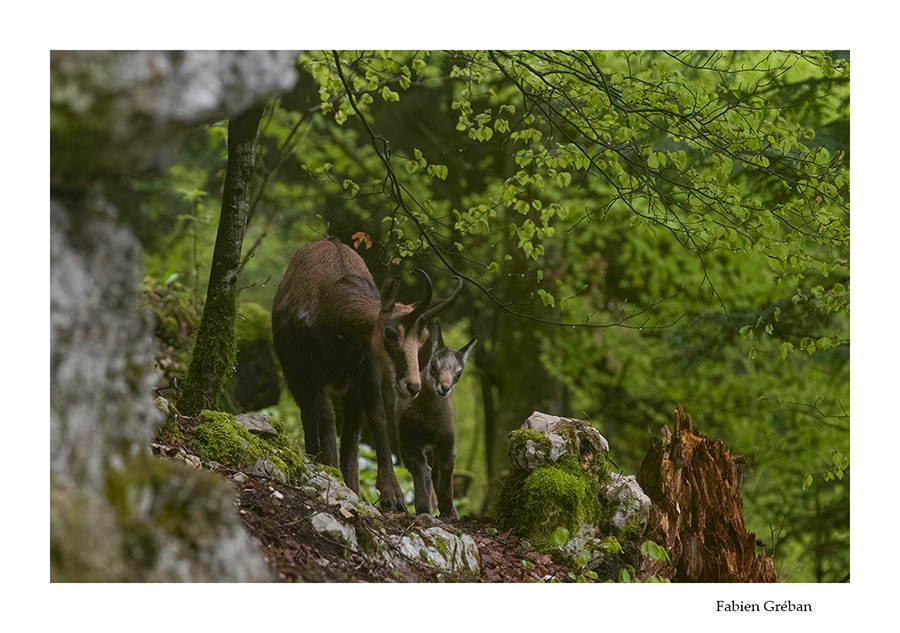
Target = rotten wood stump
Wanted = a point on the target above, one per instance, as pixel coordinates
(697, 511)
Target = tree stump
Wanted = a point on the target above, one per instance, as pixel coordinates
(697, 512)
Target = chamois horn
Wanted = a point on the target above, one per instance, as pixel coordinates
(413, 316)
(435, 310)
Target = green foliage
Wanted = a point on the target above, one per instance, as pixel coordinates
(654, 551)
(582, 574)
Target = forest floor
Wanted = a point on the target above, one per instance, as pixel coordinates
(297, 553)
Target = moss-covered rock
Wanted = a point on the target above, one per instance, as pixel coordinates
(561, 494)
(171, 517)
(219, 438)
(559, 467)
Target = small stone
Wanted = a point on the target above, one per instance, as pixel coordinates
(191, 460)
(333, 530)
(263, 468)
(256, 423)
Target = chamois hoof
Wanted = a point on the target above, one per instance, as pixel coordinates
(392, 504)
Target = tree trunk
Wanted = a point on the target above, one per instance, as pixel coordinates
(697, 511)
(215, 349)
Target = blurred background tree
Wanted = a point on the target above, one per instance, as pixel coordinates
(636, 228)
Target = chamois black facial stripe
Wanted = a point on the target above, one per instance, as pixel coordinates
(397, 356)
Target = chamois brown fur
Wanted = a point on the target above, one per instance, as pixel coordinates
(427, 421)
(336, 335)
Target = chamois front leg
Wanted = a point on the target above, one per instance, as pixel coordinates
(444, 461)
(414, 458)
(386, 481)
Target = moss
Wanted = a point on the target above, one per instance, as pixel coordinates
(169, 433)
(440, 544)
(219, 438)
(562, 494)
(551, 498)
(331, 470)
(519, 438)
(253, 323)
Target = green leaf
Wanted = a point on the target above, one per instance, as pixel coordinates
(559, 537)
(389, 95)
(548, 300)
(654, 551)
(438, 171)
(524, 157)
(807, 480)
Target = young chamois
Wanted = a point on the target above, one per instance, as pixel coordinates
(336, 335)
(427, 420)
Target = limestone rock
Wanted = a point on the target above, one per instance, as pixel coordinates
(440, 548)
(427, 541)
(335, 531)
(559, 465)
(158, 521)
(256, 423)
(118, 111)
(563, 428)
(266, 469)
(628, 506)
(327, 488)
(115, 516)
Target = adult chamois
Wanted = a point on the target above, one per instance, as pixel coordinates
(336, 335)
(427, 420)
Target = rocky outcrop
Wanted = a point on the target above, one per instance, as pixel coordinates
(427, 541)
(116, 514)
(113, 112)
(562, 496)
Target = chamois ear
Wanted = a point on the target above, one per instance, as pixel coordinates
(389, 294)
(437, 340)
(465, 351)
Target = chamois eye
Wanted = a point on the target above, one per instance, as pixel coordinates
(390, 334)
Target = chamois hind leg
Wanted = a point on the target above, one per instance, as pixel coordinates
(444, 461)
(353, 419)
(319, 431)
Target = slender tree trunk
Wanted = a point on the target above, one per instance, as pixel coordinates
(215, 348)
